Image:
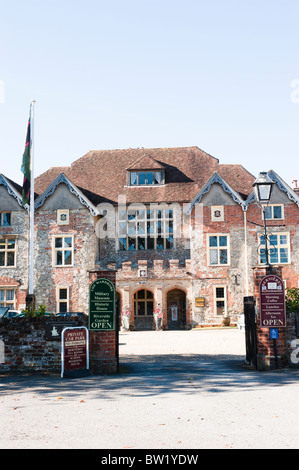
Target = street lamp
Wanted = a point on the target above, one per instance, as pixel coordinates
(263, 187)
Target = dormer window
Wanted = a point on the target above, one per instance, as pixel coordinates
(147, 178)
(146, 172)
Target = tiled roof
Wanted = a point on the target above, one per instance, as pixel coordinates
(102, 174)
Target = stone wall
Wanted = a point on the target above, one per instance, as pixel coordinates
(26, 348)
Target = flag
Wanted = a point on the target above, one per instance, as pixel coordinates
(26, 167)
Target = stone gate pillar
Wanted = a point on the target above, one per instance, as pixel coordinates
(104, 345)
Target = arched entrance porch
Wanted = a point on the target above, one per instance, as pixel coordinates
(176, 309)
(143, 309)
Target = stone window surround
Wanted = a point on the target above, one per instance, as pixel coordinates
(55, 250)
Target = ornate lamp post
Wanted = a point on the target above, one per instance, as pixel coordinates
(263, 187)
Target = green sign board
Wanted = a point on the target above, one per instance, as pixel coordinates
(102, 305)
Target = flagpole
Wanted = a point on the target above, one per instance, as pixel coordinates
(31, 238)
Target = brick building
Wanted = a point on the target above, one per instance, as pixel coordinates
(182, 231)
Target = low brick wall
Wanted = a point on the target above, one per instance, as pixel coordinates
(27, 350)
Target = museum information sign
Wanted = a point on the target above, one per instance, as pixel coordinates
(272, 302)
(75, 351)
(102, 305)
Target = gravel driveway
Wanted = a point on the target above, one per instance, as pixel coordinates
(175, 390)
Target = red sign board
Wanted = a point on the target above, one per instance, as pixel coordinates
(74, 349)
(272, 302)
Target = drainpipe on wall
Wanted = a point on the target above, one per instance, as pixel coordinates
(246, 254)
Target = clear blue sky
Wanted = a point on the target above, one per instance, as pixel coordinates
(151, 73)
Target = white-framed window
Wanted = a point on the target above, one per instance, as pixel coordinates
(5, 219)
(145, 229)
(217, 213)
(62, 299)
(7, 252)
(220, 296)
(63, 217)
(274, 211)
(7, 297)
(218, 249)
(146, 177)
(63, 250)
(278, 248)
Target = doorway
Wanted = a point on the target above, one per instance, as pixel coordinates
(176, 309)
(143, 309)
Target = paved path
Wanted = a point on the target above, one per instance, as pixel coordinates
(194, 393)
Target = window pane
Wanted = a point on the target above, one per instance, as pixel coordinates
(133, 178)
(150, 228)
(223, 256)
(284, 258)
(62, 307)
(158, 177)
(223, 241)
(67, 258)
(213, 241)
(11, 244)
(160, 243)
(131, 228)
(141, 294)
(122, 244)
(220, 307)
(141, 228)
(220, 292)
(150, 243)
(2, 295)
(142, 177)
(68, 242)
(141, 243)
(122, 228)
(273, 239)
(141, 214)
(131, 215)
(122, 215)
(274, 257)
(213, 257)
(2, 258)
(59, 258)
(132, 243)
(268, 212)
(141, 308)
(150, 295)
(150, 213)
(58, 242)
(283, 239)
(10, 258)
(6, 218)
(63, 294)
(149, 177)
(277, 212)
(169, 226)
(263, 256)
(169, 242)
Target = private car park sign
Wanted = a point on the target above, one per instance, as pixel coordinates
(272, 302)
(102, 305)
(74, 351)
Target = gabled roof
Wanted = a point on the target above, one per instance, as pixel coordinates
(13, 189)
(62, 179)
(282, 185)
(216, 179)
(147, 162)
